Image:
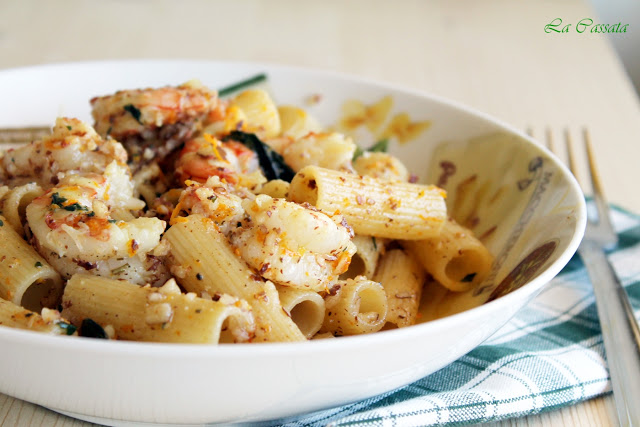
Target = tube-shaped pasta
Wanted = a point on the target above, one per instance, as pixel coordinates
(275, 188)
(327, 150)
(305, 307)
(381, 165)
(365, 260)
(156, 314)
(355, 306)
(402, 279)
(15, 316)
(456, 259)
(261, 113)
(322, 336)
(296, 122)
(373, 207)
(203, 261)
(14, 203)
(435, 302)
(26, 279)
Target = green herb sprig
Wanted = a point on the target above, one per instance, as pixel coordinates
(381, 146)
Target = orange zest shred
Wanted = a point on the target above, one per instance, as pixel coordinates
(174, 215)
(214, 144)
(233, 119)
(131, 247)
(342, 263)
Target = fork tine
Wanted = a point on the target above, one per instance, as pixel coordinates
(598, 194)
(571, 157)
(549, 140)
(596, 183)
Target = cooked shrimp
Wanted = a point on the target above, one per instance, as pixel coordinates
(85, 217)
(153, 122)
(292, 244)
(73, 147)
(206, 156)
(139, 269)
(216, 200)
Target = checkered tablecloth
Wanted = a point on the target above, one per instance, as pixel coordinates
(548, 356)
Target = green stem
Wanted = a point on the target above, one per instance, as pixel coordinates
(242, 84)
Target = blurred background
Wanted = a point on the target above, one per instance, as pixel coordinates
(627, 45)
(493, 55)
(439, 46)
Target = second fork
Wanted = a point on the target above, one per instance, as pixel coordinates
(620, 330)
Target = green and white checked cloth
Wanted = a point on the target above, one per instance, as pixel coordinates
(548, 356)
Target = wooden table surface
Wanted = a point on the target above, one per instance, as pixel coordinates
(493, 55)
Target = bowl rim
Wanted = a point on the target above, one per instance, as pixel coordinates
(188, 351)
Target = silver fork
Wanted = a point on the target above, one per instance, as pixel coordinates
(23, 134)
(620, 330)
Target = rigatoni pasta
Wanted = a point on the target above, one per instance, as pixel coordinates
(143, 313)
(26, 279)
(456, 258)
(326, 150)
(373, 207)
(381, 165)
(277, 188)
(14, 203)
(355, 306)
(402, 279)
(296, 122)
(259, 111)
(365, 260)
(50, 321)
(305, 307)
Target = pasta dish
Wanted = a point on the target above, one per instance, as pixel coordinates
(185, 214)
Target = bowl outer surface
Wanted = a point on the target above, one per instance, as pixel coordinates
(192, 384)
(185, 384)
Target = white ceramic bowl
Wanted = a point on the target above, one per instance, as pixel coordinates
(513, 191)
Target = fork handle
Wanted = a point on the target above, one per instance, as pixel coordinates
(24, 134)
(620, 332)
